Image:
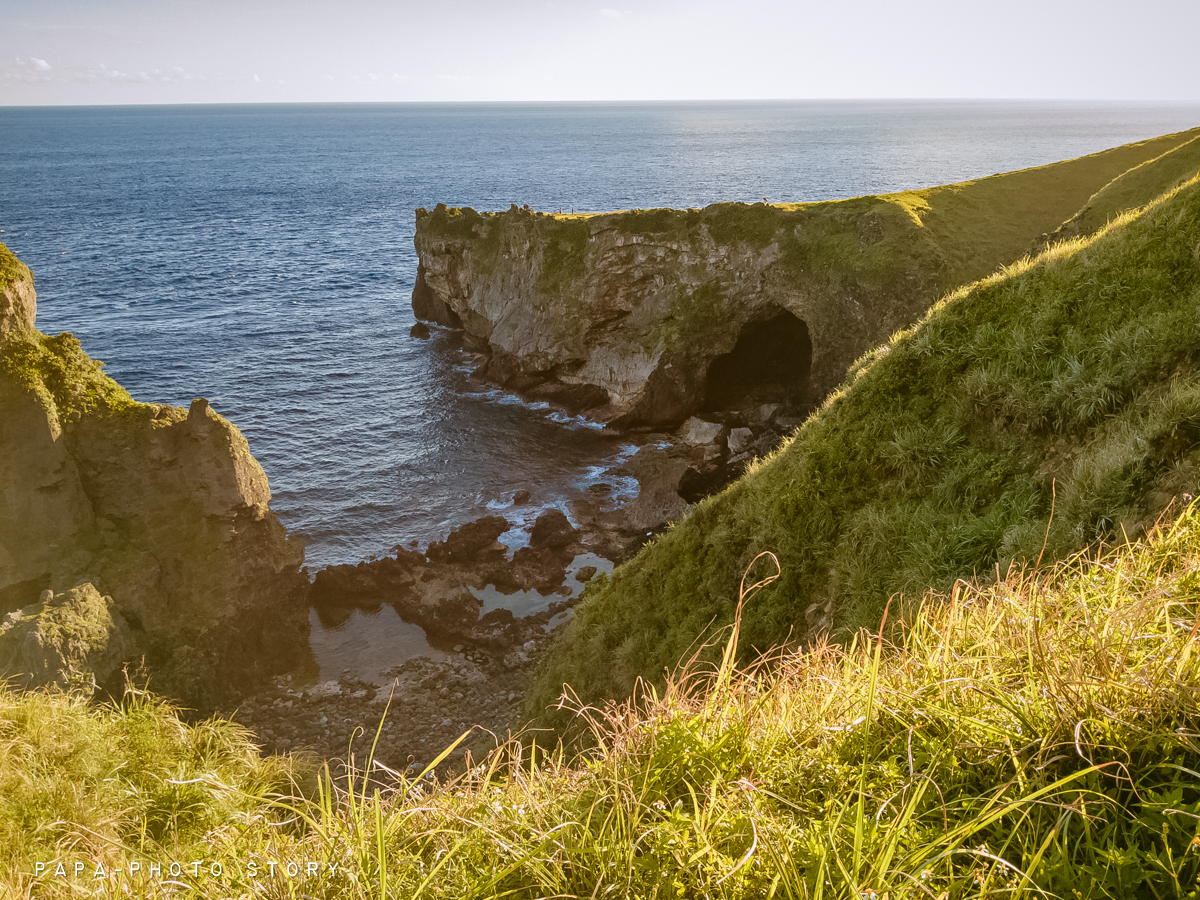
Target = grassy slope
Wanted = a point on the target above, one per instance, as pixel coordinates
(989, 221)
(1038, 735)
(1074, 375)
(1135, 187)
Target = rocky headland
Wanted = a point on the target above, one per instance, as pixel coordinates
(131, 532)
(643, 318)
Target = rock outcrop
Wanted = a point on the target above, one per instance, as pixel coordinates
(643, 317)
(72, 640)
(433, 589)
(162, 509)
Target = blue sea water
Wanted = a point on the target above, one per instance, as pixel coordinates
(262, 256)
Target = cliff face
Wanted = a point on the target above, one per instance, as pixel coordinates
(162, 509)
(627, 313)
(645, 316)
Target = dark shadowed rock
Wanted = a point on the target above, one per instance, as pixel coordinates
(427, 306)
(467, 543)
(367, 584)
(575, 398)
(551, 530)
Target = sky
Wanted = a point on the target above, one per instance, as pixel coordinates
(246, 51)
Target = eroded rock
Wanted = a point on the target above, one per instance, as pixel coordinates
(639, 317)
(162, 509)
(76, 639)
(697, 432)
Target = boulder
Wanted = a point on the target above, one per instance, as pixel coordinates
(740, 439)
(76, 639)
(697, 432)
(658, 501)
(552, 530)
(466, 543)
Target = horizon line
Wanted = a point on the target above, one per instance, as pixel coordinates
(609, 102)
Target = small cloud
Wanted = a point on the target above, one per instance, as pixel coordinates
(34, 70)
(257, 80)
(609, 13)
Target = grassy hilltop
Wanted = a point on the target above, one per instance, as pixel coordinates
(1066, 382)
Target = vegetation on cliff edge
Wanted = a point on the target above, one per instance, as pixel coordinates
(1036, 737)
(894, 252)
(1068, 384)
(57, 369)
(12, 269)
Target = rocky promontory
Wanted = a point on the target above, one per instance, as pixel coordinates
(132, 532)
(644, 317)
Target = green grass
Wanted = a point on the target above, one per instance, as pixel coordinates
(1036, 737)
(989, 221)
(1069, 382)
(113, 783)
(12, 269)
(65, 379)
(1136, 187)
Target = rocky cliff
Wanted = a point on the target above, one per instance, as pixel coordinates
(645, 316)
(162, 509)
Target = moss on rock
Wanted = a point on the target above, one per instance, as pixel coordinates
(74, 639)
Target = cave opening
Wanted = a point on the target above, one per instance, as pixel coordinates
(771, 362)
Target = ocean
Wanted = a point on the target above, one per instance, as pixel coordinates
(262, 256)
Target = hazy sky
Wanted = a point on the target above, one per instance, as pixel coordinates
(179, 51)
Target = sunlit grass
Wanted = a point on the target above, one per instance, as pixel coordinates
(1038, 736)
(1069, 381)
